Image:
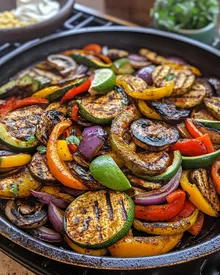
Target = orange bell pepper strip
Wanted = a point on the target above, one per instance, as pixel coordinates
(189, 147)
(194, 132)
(205, 139)
(164, 212)
(197, 227)
(55, 164)
(74, 113)
(77, 90)
(216, 175)
(93, 48)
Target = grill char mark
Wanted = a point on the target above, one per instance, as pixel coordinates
(97, 214)
(109, 205)
(121, 202)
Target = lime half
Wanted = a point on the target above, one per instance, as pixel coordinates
(105, 170)
(103, 82)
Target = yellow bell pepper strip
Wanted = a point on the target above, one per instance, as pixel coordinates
(63, 151)
(14, 160)
(195, 195)
(147, 111)
(46, 91)
(56, 165)
(193, 69)
(87, 251)
(132, 88)
(167, 228)
(130, 246)
(56, 192)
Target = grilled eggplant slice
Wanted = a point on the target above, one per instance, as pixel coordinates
(46, 124)
(103, 109)
(204, 81)
(214, 134)
(169, 111)
(22, 122)
(153, 136)
(213, 105)
(84, 175)
(18, 185)
(190, 99)
(26, 213)
(200, 178)
(99, 219)
(143, 184)
(183, 79)
(57, 106)
(202, 114)
(39, 169)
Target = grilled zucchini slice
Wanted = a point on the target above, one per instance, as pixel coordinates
(8, 89)
(191, 98)
(103, 109)
(183, 79)
(99, 219)
(213, 105)
(202, 114)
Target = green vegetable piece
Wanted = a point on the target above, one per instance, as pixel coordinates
(73, 140)
(42, 149)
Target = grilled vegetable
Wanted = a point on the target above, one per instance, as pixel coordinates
(46, 234)
(167, 228)
(84, 175)
(169, 111)
(115, 54)
(216, 175)
(202, 114)
(122, 66)
(136, 87)
(137, 61)
(102, 109)
(190, 99)
(64, 64)
(131, 246)
(183, 79)
(89, 61)
(106, 171)
(26, 213)
(25, 82)
(189, 147)
(89, 217)
(213, 124)
(147, 111)
(205, 185)
(181, 127)
(195, 195)
(39, 83)
(149, 164)
(213, 105)
(18, 185)
(153, 136)
(200, 161)
(143, 184)
(146, 74)
(214, 134)
(11, 160)
(46, 124)
(39, 169)
(57, 192)
(8, 89)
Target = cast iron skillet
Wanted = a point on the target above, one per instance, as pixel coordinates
(200, 55)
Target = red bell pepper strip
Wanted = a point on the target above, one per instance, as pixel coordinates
(197, 227)
(194, 132)
(77, 90)
(164, 212)
(187, 211)
(67, 133)
(216, 175)
(7, 106)
(93, 48)
(74, 113)
(189, 147)
(207, 142)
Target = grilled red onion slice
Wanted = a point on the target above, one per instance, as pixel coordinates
(93, 139)
(137, 61)
(45, 234)
(159, 196)
(177, 60)
(55, 217)
(47, 198)
(146, 74)
(72, 192)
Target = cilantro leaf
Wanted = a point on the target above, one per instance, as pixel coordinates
(169, 77)
(41, 149)
(14, 189)
(73, 140)
(31, 139)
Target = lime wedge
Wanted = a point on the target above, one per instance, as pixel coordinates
(105, 170)
(122, 66)
(103, 82)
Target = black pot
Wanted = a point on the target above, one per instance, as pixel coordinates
(199, 55)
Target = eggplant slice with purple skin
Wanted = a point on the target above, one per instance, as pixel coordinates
(169, 111)
(26, 213)
(39, 169)
(153, 136)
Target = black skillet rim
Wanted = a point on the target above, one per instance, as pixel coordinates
(23, 239)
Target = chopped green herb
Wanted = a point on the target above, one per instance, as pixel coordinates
(73, 140)
(42, 149)
(31, 139)
(169, 77)
(78, 101)
(14, 189)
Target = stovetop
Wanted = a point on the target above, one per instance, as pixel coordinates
(42, 266)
